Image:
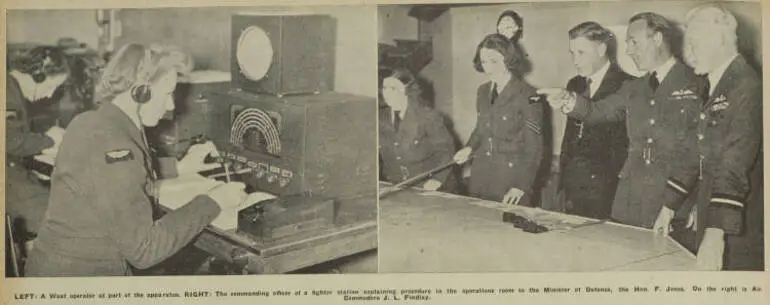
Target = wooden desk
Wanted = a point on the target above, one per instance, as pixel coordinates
(355, 231)
(433, 232)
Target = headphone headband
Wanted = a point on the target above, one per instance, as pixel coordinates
(141, 91)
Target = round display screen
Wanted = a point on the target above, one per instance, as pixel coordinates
(254, 53)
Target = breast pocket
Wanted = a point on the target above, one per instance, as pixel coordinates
(416, 146)
(506, 125)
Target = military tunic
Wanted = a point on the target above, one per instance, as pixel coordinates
(100, 217)
(507, 142)
(656, 122)
(724, 168)
(417, 144)
(26, 199)
(593, 154)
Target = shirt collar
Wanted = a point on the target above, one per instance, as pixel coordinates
(716, 75)
(663, 69)
(598, 76)
(25, 83)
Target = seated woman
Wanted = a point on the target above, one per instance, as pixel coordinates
(100, 220)
(506, 144)
(413, 137)
(35, 76)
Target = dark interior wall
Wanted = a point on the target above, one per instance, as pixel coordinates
(205, 32)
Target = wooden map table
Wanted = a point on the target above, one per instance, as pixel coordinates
(424, 231)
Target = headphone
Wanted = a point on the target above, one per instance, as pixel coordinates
(141, 91)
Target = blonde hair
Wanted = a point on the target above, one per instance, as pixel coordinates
(134, 64)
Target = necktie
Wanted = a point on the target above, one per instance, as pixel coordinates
(396, 119)
(493, 94)
(588, 87)
(706, 92)
(654, 82)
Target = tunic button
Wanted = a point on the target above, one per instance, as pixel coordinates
(395, 143)
(652, 121)
(649, 140)
(505, 118)
(652, 102)
(510, 164)
(593, 176)
(398, 158)
(702, 116)
(682, 111)
(488, 154)
(647, 162)
(416, 142)
(490, 139)
(700, 137)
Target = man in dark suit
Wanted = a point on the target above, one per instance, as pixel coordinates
(660, 111)
(593, 154)
(725, 178)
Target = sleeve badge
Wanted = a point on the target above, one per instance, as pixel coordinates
(118, 155)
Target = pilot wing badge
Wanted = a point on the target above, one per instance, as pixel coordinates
(118, 155)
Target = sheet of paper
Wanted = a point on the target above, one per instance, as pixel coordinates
(176, 192)
(228, 218)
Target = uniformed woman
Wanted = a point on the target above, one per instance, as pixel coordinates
(33, 77)
(506, 144)
(413, 137)
(99, 221)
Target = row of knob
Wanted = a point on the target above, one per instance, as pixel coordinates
(260, 170)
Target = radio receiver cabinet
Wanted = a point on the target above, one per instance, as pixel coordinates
(319, 144)
(283, 54)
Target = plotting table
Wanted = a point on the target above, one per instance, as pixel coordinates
(424, 231)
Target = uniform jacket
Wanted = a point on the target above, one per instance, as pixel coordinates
(507, 141)
(593, 154)
(100, 216)
(26, 199)
(420, 144)
(725, 163)
(656, 123)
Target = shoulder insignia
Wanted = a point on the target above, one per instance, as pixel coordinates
(118, 155)
(533, 126)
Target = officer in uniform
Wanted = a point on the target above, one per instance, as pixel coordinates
(724, 169)
(660, 110)
(35, 76)
(507, 143)
(100, 218)
(593, 154)
(413, 138)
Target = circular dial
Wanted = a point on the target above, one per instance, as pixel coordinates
(254, 53)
